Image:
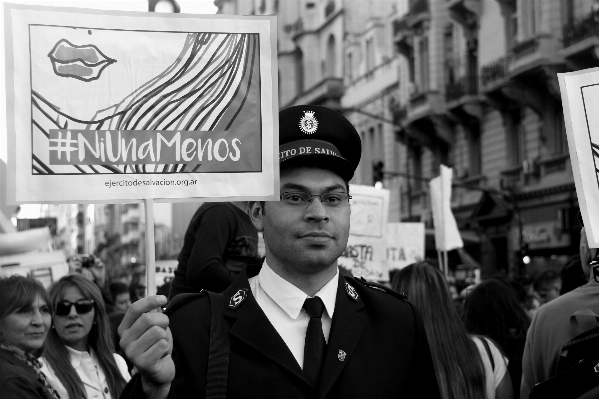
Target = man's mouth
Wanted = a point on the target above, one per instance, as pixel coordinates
(85, 62)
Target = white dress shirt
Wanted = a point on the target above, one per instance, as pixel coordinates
(282, 303)
(87, 367)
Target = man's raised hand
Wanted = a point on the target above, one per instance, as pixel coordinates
(148, 344)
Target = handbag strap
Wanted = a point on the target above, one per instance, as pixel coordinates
(488, 349)
(218, 353)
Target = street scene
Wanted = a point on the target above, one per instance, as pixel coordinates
(299, 199)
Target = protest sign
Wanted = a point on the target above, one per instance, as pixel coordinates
(405, 244)
(108, 106)
(580, 100)
(365, 255)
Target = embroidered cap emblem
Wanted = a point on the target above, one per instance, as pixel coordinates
(308, 124)
(237, 299)
(341, 355)
(351, 292)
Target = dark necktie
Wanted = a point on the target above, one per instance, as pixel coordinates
(315, 344)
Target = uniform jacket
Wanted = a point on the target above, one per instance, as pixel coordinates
(377, 348)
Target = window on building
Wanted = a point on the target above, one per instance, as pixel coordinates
(349, 67)
(577, 9)
(450, 61)
(512, 23)
(415, 165)
(331, 64)
(516, 135)
(474, 151)
(530, 11)
(299, 71)
(560, 140)
(369, 54)
(424, 64)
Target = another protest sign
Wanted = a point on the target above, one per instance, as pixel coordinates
(580, 100)
(107, 106)
(365, 255)
(405, 244)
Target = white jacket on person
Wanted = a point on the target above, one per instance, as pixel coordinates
(88, 368)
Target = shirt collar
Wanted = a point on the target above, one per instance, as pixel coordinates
(77, 356)
(289, 297)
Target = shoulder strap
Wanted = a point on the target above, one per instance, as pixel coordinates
(488, 349)
(218, 353)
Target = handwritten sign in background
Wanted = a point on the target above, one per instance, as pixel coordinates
(106, 106)
(580, 100)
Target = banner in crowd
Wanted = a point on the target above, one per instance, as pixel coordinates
(447, 235)
(108, 106)
(365, 255)
(405, 244)
(580, 100)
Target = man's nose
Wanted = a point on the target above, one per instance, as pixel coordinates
(316, 210)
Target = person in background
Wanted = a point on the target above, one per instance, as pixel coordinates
(219, 241)
(556, 323)
(137, 291)
(492, 309)
(467, 367)
(93, 269)
(121, 296)
(25, 318)
(547, 285)
(572, 275)
(79, 357)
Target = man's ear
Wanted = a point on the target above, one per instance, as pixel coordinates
(256, 214)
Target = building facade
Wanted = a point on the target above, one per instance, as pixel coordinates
(470, 84)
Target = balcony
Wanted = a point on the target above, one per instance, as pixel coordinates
(131, 237)
(510, 177)
(581, 41)
(327, 92)
(464, 86)
(132, 215)
(542, 49)
(403, 37)
(465, 12)
(580, 29)
(494, 72)
(375, 81)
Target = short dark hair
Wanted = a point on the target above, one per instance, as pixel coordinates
(118, 288)
(545, 276)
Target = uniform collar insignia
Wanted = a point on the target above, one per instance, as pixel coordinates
(351, 292)
(237, 299)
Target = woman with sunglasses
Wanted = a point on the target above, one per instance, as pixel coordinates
(79, 357)
(24, 323)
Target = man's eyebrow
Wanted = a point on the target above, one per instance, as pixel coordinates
(299, 187)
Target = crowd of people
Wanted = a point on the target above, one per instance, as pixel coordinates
(299, 324)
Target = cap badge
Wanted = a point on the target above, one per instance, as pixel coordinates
(237, 299)
(341, 355)
(308, 124)
(351, 292)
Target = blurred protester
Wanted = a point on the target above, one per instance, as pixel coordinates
(492, 309)
(137, 291)
(219, 242)
(121, 296)
(467, 367)
(25, 318)
(526, 294)
(547, 285)
(572, 275)
(79, 357)
(93, 269)
(555, 324)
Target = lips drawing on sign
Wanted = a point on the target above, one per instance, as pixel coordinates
(85, 62)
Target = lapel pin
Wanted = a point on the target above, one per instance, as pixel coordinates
(351, 292)
(237, 299)
(341, 355)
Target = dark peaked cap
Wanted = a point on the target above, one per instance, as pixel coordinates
(310, 135)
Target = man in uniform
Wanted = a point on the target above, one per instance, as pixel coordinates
(297, 328)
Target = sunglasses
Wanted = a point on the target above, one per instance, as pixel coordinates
(82, 306)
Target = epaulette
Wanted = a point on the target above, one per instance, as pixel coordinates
(380, 287)
(180, 300)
